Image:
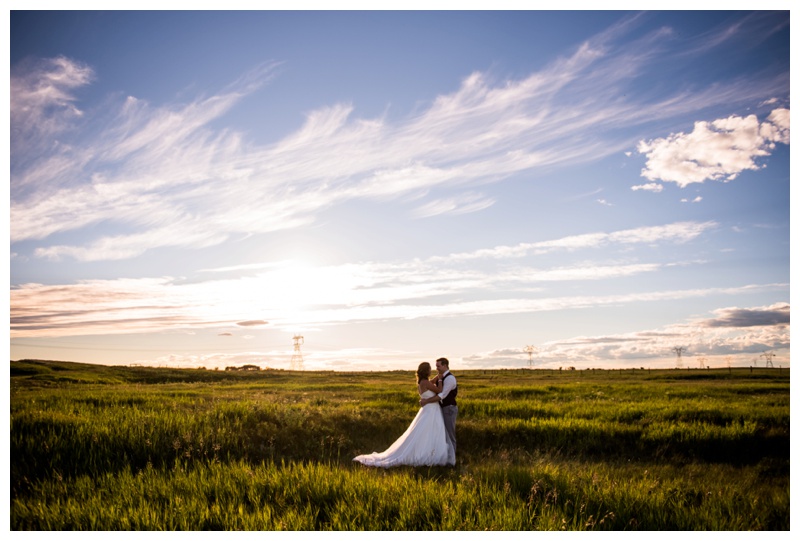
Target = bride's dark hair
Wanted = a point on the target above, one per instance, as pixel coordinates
(423, 371)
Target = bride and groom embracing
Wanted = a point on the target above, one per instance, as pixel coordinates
(430, 439)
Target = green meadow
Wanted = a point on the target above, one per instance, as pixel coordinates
(132, 448)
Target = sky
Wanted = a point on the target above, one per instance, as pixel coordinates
(502, 188)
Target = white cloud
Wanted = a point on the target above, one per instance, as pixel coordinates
(741, 333)
(775, 314)
(776, 128)
(717, 150)
(650, 187)
(252, 323)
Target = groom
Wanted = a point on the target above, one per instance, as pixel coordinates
(447, 400)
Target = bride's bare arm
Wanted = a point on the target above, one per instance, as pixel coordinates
(430, 386)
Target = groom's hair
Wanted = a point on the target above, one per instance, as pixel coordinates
(443, 361)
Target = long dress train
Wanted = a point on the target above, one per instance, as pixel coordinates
(424, 443)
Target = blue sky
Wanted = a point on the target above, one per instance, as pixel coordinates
(195, 188)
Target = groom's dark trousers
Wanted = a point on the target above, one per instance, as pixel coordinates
(450, 413)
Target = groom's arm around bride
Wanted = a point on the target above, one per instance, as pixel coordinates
(442, 368)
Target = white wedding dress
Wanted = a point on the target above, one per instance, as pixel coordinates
(424, 443)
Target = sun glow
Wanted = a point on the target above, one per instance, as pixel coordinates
(286, 294)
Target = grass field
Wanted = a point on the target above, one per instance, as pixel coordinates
(127, 448)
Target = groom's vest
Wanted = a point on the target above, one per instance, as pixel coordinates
(450, 399)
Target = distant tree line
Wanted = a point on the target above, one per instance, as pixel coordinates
(245, 367)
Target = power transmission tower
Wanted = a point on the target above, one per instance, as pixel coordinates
(297, 355)
(701, 361)
(768, 355)
(530, 350)
(679, 352)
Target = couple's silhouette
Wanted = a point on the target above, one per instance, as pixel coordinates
(430, 439)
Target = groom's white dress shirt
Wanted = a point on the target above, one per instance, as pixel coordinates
(448, 385)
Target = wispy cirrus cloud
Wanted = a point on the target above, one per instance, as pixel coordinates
(744, 33)
(42, 99)
(460, 204)
(675, 232)
(200, 184)
(126, 306)
(292, 294)
(99, 307)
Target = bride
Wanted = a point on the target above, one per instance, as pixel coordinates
(424, 443)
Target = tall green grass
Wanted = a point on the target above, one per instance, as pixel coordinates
(107, 448)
